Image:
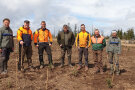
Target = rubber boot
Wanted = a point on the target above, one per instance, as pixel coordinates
(111, 72)
(69, 62)
(117, 70)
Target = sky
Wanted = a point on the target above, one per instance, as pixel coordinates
(106, 15)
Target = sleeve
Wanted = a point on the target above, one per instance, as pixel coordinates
(0, 38)
(36, 37)
(50, 37)
(58, 38)
(19, 35)
(119, 45)
(73, 39)
(89, 38)
(77, 40)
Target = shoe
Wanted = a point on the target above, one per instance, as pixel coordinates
(86, 68)
(41, 66)
(70, 65)
(112, 70)
(4, 73)
(51, 66)
(118, 73)
(101, 71)
(117, 70)
(79, 67)
(62, 65)
(96, 70)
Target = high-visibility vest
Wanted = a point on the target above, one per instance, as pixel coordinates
(42, 36)
(98, 40)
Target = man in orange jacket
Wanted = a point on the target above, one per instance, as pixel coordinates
(83, 42)
(41, 41)
(98, 44)
(25, 36)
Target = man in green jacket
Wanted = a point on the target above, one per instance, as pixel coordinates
(6, 45)
(114, 49)
(66, 40)
(98, 44)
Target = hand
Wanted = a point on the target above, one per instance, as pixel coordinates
(50, 44)
(37, 45)
(86, 47)
(60, 45)
(0, 50)
(12, 49)
(21, 42)
(78, 47)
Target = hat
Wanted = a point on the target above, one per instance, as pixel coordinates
(114, 31)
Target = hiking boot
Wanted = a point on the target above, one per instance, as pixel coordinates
(79, 67)
(41, 66)
(111, 72)
(96, 70)
(62, 65)
(70, 65)
(22, 69)
(4, 73)
(101, 71)
(117, 70)
(86, 68)
(51, 66)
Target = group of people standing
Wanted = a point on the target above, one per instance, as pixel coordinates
(66, 39)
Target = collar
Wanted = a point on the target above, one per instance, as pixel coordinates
(6, 28)
(25, 28)
(66, 32)
(97, 36)
(83, 31)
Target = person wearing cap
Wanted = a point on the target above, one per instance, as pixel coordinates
(25, 37)
(43, 40)
(6, 45)
(98, 44)
(66, 40)
(83, 42)
(114, 49)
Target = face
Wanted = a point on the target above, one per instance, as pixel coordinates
(6, 23)
(65, 29)
(83, 28)
(43, 25)
(97, 33)
(114, 34)
(26, 25)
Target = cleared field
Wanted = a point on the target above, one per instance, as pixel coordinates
(69, 78)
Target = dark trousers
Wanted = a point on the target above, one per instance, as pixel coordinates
(84, 51)
(4, 59)
(97, 55)
(26, 50)
(41, 49)
(63, 52)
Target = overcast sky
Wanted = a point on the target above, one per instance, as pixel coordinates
(106, 15)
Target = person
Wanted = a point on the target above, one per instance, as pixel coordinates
(25, 37)
(83, 42)
(66, 40)
(6, 45)
(114, 50)
(98, 44)
(43, 40)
